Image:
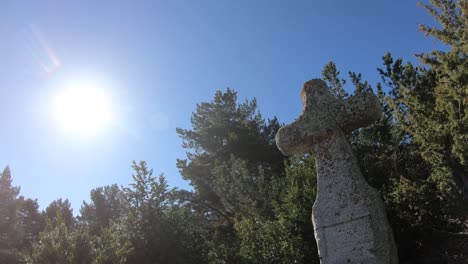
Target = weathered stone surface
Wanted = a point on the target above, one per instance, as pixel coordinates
(349, 217)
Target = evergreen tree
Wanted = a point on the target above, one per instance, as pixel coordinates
(222, 128)
(63, 208)
(431, 101)
(232, 162)
(10, 231)
(414, 154)
(105, 207)
(450, 116)
(331, 76)
(54, 246)
(32, 223)
(112, 245)
(145, 203)
(288, 236)
(186, 235)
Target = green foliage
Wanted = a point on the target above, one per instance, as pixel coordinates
(20, 221)
(419, 198)
(10, 233)
(331, 75)
(145, 202)
(286, 237)
(81, 244)
(54, 246)
(415, 155)
(300, 190)
(63, 208)
(233, 165)
(250, 204)
(222, 128)
(60, 244)
(105, 206)
(431, 102)
(186, 236)
(268, 241)
(112, 245)
(412, 103)
(31, 223)
(415, 201)
(260, 209)
(240, 188)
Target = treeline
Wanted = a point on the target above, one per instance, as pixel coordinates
(251, 204)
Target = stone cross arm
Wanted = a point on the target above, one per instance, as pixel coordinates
(322, 114)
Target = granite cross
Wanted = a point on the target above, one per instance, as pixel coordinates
(349, 218)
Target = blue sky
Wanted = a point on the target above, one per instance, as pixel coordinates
(156, 60)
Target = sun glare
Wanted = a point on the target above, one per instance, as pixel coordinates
(82, 108)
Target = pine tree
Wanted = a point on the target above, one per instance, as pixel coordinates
(288, 236)
(10, 232)
(105, 207)
(63, 208)
(145, 203)
(32, 223)
(113, 245)
(232, 163)
(54, 246)
(431, 101)
(222, 128)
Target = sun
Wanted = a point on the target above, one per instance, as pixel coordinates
(82, 107)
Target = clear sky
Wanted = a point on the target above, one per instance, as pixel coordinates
(155, 60)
